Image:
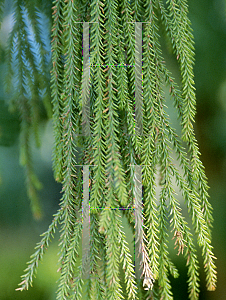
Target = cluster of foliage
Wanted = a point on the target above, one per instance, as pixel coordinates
(112, 146)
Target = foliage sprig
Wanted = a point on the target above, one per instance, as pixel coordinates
(111, 146)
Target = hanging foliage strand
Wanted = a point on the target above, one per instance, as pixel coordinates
(114, 148)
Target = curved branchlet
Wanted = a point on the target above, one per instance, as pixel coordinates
(41, 247)
(93, 111)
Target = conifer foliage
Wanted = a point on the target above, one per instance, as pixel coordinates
(124, 149)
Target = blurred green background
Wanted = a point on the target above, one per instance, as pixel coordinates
(19, 232)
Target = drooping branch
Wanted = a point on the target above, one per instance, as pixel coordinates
(94, 114)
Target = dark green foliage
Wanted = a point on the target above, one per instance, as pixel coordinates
(9, 126)
(114, 147)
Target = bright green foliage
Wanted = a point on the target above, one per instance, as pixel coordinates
(114, 147)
